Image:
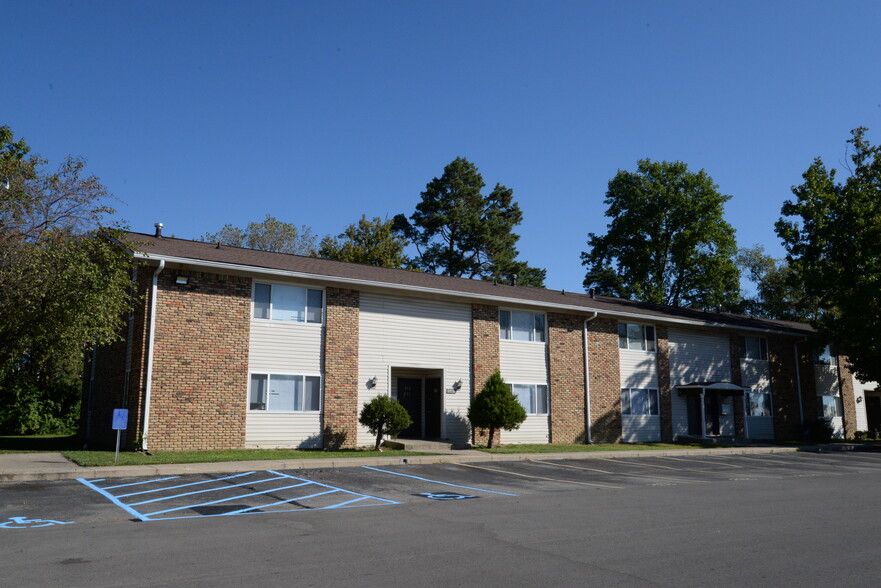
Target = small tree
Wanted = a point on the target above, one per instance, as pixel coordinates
(384, 416)
(496, 407)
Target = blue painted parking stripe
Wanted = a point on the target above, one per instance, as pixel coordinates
(227, 487)
(280, 502)
(201, 482)
(136, 483)
(327, 486)
(266, 512)
(191, 506)
(437, 481)
(113, 499)
(348, 502)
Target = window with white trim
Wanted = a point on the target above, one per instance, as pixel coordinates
(753, 348)
(533, 397)
(517, 325)
(636, 337)
(284, 393)
(639, 401)
(279, 302)
(759, 403)
(823, 356)
(829, 406)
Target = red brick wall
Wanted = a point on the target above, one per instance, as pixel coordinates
(784, 389)
(566, 378)
(200, 362)
(484, 354)
(341, 368)
(848, 401)
(665, 391)
(605, 381)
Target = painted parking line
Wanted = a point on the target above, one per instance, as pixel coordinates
(437, 481)
(690, 460)
(606, 486)
(575, 467)
(327, 497)
(635, 463)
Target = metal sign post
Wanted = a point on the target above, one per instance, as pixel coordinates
(120, 423)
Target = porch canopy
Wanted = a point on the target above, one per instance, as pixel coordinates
(720, 388)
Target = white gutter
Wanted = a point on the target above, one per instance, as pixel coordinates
(587, 377)
(149, 386)
(503, 299)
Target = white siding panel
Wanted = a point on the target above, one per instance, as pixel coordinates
(274, 429)
(278, 346)
(399, 331)
(859, 392)
(640, 428)
(639, 369)
(695, 357)
(523, 362)
(756, 374)
(533, 430)
(761, 427)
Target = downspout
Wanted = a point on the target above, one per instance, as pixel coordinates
(587, 378)
(89, 396)
(801, 411)
(149, 387)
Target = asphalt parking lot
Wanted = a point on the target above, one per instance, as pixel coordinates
(622, 521)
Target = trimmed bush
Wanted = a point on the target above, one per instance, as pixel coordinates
(496, 407)
(384, 416)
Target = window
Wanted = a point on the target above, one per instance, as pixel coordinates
(285, 393)
(759, 403)
(829, 406)
(521, 326)
(639, 337)
(754, 348)
(287, 303)
(639, 401)
(823, 356)
(533, 397)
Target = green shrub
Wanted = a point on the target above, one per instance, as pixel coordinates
(860, 435)
(821, 431)
(384, 416)
(27, 409)
(496, 407)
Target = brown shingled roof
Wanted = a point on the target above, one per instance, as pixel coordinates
(196, 251)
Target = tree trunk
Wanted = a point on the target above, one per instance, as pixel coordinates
(492, 432)
(378, 439)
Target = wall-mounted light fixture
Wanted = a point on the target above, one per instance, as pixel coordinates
(182, 280)
(457, 384)
(371, 383)
(859, 399)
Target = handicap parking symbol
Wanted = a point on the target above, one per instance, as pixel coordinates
(445, 496)
(26, 523)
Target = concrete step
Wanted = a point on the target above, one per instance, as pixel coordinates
(419, 445)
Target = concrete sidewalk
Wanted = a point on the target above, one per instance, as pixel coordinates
(24, 467)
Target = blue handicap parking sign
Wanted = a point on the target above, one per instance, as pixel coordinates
(120, 419)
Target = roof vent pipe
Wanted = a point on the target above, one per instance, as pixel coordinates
(158, 229)
(592, 292)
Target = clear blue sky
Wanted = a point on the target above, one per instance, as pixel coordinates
(199, 114)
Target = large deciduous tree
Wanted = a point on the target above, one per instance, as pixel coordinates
(372, 242)
(775, 295)
(64, 285)
(270, 234)
(459, 231)
(668, 241)
(832, 235)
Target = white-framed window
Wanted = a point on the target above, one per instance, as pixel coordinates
(823, 355)
(533, 397)
(637, 337)
(639, 401)
(759, 403)
(280, 302)
(829, 406)
(284, 393)
(518, 325)
(753, 348)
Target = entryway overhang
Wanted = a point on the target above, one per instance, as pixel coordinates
(719, 389)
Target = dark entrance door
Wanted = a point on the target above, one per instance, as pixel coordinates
(410, 396)
(873, 413)
(712, 412)
(433, 400)
(694, 415)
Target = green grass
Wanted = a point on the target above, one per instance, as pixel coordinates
(38, 443)
(547, 448)
(105, 458)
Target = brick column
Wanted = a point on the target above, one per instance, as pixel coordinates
(341, 368)
(484, 354)
(199, 392)
(784, 389)
(848, 400)
(566, 378)
(605, 381)
(737, 379)
(665, 390)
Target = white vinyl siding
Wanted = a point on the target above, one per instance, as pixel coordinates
(409, 332)
(859, 392)
(755, 374)
(697, 357)
(639, 369)
(826, 381)
(283, 347)
(525, 362)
